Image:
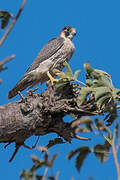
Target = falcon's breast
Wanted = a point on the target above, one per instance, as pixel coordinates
(64, 54)
(55, 61)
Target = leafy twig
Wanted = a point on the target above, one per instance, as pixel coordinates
(13, 23)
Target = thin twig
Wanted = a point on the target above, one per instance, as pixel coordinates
(80, 82)
(34, 146)
(5, 61)
(115, 156)
(13, 23)
(45, 173)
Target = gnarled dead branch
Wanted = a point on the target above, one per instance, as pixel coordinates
(42, 114)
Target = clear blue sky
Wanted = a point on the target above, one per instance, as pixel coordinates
(98, 40)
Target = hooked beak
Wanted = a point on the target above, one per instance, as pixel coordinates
(73, 31)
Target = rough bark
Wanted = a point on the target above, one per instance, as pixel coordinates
(40, 114)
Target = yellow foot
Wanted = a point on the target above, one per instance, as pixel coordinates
(52, 79)
(56, 72)
(59, 73)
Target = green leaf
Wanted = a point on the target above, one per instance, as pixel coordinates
(88, 68)
(68, 70)
(83, 153)
(5, 17)
(103, 101)
(103, 73)
(101, 152)
(112, 114)
(116, 94)
(91, 73)
(101, 82)
(54, 141)
(99, 124)
(84, 92)
(65, 77)
(102, 92)
(61, 83)
(84, 129)
(86, 124)
(89, 83)
(73, 153)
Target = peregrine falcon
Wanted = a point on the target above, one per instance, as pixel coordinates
(52, 56)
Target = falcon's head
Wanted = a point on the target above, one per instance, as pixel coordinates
(68, 32)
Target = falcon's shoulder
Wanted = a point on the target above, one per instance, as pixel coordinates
(46, 52)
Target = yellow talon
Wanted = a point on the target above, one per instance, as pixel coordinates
(52, 79)
(59, 73)
(56, 71)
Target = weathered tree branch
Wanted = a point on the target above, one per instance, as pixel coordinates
(42, 114)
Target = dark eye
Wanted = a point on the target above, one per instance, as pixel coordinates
(67, 32)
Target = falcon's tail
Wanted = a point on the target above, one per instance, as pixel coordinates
(20, 86)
